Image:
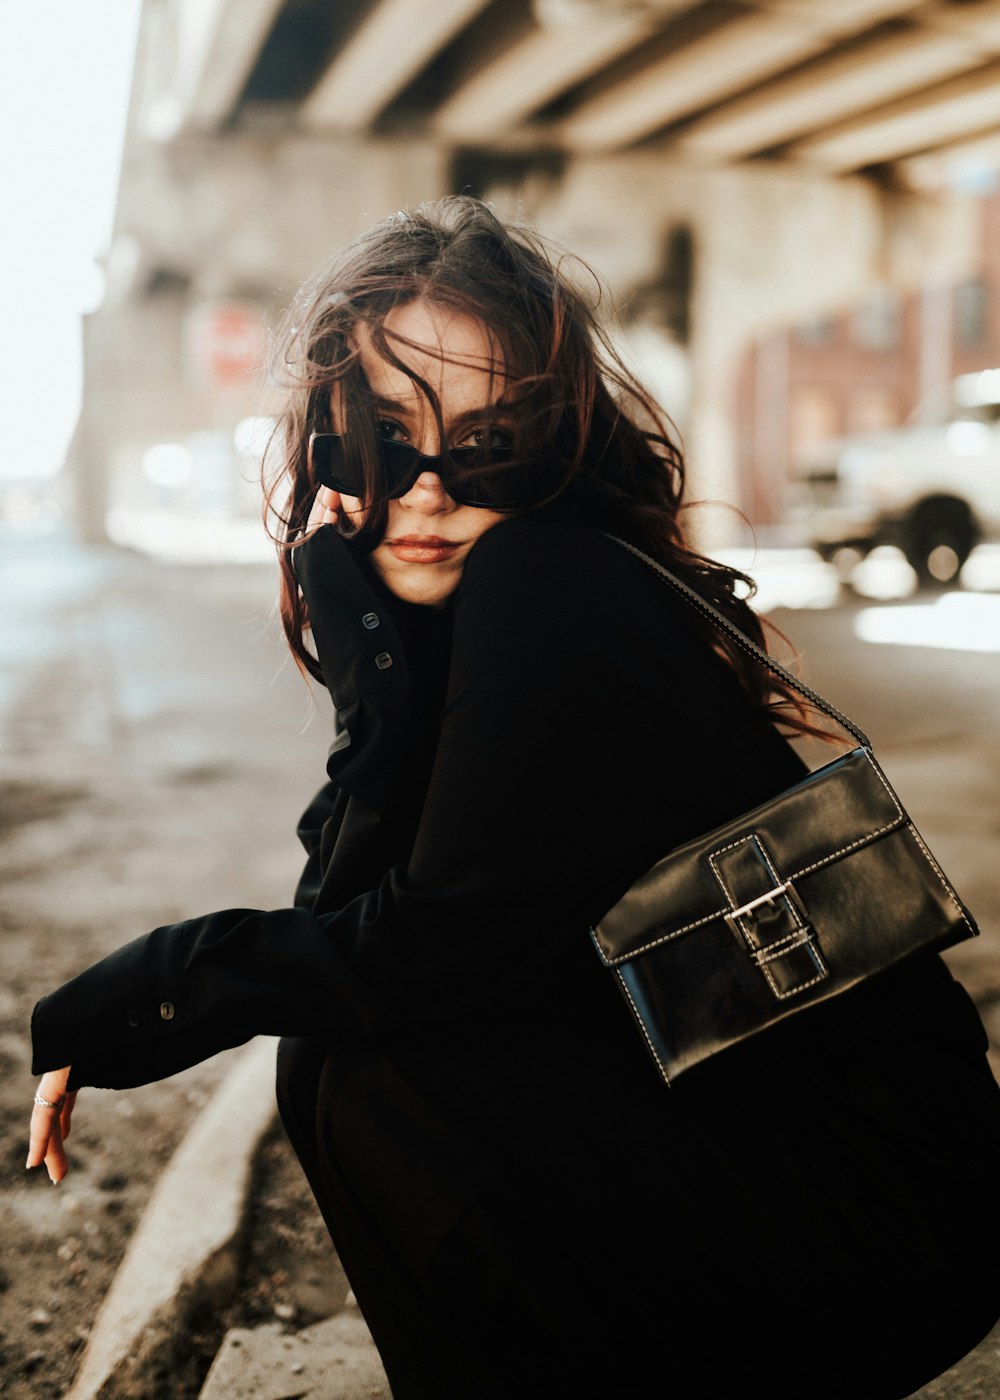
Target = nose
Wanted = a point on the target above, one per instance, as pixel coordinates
(427, 495)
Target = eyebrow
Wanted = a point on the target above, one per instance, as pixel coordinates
(381, 402)
(392, 405)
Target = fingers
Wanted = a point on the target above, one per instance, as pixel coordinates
(43, 1122)
(67, 1114)
(325, 508)
(45, 1143)
(56, 1163)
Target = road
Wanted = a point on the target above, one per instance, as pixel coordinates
(158, 748)
(933, 715)
(157, 751)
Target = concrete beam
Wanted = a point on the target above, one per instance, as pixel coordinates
(217, 207)
(975, 19)
(845, 84)
(740, 51)
(847, 16)
(719, 65)
(545, 63)
(376, 64)
(961, 108)
(218, 44)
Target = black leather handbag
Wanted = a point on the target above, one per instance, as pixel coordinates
(825, 885)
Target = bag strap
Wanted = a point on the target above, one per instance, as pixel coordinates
(712, 613)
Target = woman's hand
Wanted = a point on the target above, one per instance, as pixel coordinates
(50, 1121)
(325, 508)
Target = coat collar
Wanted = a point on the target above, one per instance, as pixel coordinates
(361, 632)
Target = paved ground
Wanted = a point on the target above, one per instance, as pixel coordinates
(144, 706)
(933, 715)
(155, 760)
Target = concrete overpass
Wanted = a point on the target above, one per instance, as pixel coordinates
(726, 165)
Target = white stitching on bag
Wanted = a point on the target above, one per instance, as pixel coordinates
(941, 876)
(642, 1026)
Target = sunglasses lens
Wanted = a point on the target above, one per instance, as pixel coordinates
(473, 476)
(491, 480)
(331, 466)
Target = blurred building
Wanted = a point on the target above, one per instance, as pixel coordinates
(864, 367)
(730, 166)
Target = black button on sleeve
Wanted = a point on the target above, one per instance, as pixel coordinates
(134, 1018)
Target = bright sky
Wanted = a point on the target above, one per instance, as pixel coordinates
(64, 83)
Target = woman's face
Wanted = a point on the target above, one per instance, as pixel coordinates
(428, 535)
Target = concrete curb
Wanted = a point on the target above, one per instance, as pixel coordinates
(332, 1360)
(183, 1252)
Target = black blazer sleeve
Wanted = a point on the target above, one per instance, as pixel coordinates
(580, 709)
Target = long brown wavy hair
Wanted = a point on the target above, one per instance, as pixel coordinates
(612, 459)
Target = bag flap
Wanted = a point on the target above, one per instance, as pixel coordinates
(839, 808)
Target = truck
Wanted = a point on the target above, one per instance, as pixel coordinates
(930, 487)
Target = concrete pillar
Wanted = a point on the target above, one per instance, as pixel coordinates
(771, 244)
(242, 216)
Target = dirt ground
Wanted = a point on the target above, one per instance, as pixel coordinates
(143, 710)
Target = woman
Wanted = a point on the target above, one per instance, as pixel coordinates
(527, 718)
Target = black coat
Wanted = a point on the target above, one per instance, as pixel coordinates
(504, 769)
(586, 728)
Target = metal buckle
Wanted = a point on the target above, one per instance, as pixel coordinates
(768, 898)
(796, 910)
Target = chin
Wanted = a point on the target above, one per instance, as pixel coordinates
(422, 584)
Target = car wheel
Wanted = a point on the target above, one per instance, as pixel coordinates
(938, 540)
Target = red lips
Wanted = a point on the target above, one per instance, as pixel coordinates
(422, 549)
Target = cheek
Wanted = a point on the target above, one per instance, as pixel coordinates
(486, 519)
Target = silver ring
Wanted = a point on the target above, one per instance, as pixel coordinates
(47, 1103)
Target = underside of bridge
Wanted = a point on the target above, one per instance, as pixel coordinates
(838, 85)
(725, 165)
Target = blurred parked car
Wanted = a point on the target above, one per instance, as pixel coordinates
(931, 487)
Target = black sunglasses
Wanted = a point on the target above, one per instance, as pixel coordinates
(507, 484)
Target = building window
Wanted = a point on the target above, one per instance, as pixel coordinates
(972, 302)
(877, 321)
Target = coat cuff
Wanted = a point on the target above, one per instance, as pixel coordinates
(106, 1021)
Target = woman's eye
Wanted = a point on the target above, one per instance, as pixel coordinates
(487, 437)
(389, 431)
